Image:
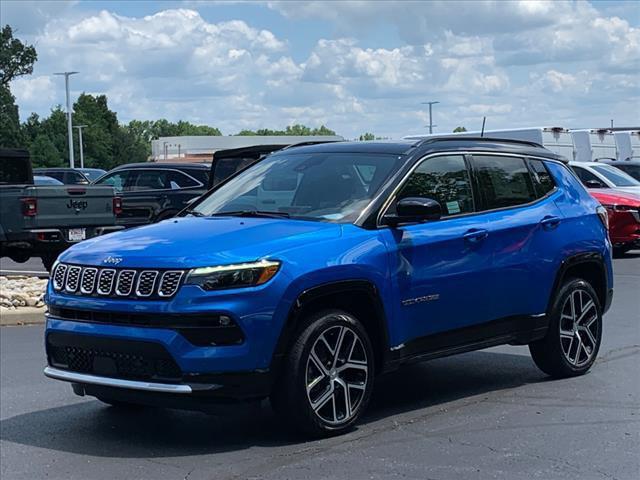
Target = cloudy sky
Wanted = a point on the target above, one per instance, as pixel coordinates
(353, 66)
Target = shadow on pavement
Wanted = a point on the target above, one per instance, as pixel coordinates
(92, 428)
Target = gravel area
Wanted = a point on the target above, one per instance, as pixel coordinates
(16, 292)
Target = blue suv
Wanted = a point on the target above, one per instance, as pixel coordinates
(306, 275)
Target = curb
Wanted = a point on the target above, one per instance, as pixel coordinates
(22, 316)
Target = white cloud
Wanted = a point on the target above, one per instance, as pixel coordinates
(519, 63)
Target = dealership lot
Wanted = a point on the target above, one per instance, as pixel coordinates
(488, 414)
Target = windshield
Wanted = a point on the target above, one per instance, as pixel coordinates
(632, 170)
(331, 187)
(617, 177)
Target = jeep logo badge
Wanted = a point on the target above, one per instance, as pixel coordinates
(77, 205)
(112, 260)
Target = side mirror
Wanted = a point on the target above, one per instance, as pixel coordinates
(414, 210)
(594, 184)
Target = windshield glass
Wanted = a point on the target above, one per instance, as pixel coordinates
(617, 177)
(331, 187)
(633, 170)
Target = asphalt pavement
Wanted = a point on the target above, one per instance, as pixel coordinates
(33, 267)
(481, 415)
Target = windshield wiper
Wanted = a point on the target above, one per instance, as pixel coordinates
(252, 213)
(195, 213)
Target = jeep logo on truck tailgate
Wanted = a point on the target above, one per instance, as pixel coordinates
(77, 204)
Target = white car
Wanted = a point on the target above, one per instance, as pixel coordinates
(599, 175)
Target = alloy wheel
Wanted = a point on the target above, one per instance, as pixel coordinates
(579, 328)
(337, 374)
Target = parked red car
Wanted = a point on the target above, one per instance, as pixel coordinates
(624, 218)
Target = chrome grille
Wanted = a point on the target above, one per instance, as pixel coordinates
(124, 284)
(73, 279)
(146, 283)
(105, 281)
(59, 276)
(88, 282)
(116, 282)
(169, 283)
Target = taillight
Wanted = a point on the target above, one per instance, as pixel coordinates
(117, 205)
(604, 216)
(29, 206)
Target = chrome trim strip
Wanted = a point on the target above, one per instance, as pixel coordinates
(102, 272)
(387, 204)
(67, 376)
(73, 268)
(93, 284)
(153, 283)
(117, 289)
(180, 275)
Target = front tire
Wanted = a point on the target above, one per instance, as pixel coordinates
(571, 344)
(327, 376)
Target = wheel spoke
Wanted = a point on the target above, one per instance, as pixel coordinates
(572, 305)
(355, 365)
(578, 348)
(318, 404)
(336, 354)
(318, 363)
(589, 322)
(592, 339)
(590, 304)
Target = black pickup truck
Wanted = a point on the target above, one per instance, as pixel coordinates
(42, 221)
(152, 192)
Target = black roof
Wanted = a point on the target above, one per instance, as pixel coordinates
(430, 145)
(13, 153)
(174, 165)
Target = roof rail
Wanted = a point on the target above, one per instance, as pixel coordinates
(311, 142)
(426, 141)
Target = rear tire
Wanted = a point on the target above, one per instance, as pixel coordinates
(327, 376)
(575, 332)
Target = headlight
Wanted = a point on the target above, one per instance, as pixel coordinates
(233, 276)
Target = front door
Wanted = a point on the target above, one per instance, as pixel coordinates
(441, 267)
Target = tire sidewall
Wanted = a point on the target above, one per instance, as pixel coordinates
(315, 326)
(568, 288)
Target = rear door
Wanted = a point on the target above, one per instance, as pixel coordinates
(524, 230)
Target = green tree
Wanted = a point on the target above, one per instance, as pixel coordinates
(16, 58)
(367, 137)
(44, 153)
(299, 130)
(459, 130)
(10, 131)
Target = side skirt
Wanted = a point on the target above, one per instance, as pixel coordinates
(517, 330)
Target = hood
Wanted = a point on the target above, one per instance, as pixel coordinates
(634, 190)
(613, 197)
(196, 242)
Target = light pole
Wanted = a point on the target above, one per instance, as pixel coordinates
(69, 124)
(80, 127)
(431, 125)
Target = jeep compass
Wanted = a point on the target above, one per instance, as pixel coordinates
(306, 275)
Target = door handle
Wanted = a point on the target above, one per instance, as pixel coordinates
(550, 222)
(476, 235)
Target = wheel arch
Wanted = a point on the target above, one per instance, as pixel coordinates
(588, 266)
(359, 297)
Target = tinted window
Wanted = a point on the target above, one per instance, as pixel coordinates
(586, 176)
(200, 175)
(178, 179)
(118, 180)
(225, 167)
(615, 176)
(75, 178)
(633, 170)
(503, 181)
(542, 179)
(149, 180)
(444, 179)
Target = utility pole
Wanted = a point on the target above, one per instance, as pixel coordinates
(69, 124)
(80, 127)
(431, 125)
